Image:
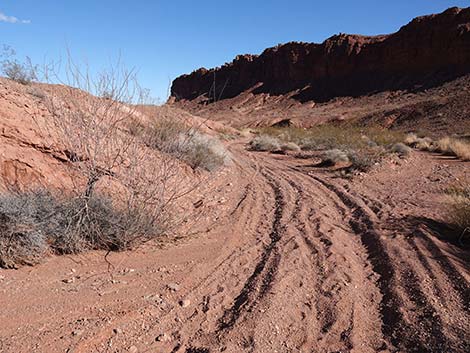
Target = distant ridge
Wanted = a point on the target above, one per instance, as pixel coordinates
(426, 52)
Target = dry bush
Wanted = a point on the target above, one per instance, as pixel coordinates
(265, 143)
(443, 145)
(458, 210)
(425, 144)
(290, 146)
(36, 92)
(460, 149)
(22, 225)
(334, 156)
(454, 147)
(21, 72)
(185, 143)
(411, 139)
(401, 149)
(36, 223)
(119, 183)
(364, 159)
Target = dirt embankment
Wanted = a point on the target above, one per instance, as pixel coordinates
(295, 260)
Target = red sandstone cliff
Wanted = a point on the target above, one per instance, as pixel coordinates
(428, 51)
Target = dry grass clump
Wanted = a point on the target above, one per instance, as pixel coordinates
(451, 146)
(265, 143)
(184, 143)
(34, 224)
(401, 149)
(290, 146)
(458, 210)
(420, 143)
(454, 147)
(334, 156)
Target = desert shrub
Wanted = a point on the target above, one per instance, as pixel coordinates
(364, 159)
(36, 92)
(33, 224)
(201, 151)
(290, 146)
(21, 72)
(454, 147)
(18, 72)
(443, 145)
(265, 143)
(460, 149)
(423, 144)
(334, 156)
(410, 139)
(400, 149)
(458, 210)
(186, 144)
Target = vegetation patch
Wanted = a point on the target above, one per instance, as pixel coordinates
(37, 223)
(458, 210)
(360, 147)
(450, 146)
(265, 143)
(185, 143)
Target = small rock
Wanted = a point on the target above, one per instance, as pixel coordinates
(185, 303)
(173, 286)
(68, 280)
(77, 333)
(163, 338)
(117, 331)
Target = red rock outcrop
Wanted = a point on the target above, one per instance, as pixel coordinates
(428, 51)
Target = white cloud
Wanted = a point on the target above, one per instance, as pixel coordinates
(12, 19)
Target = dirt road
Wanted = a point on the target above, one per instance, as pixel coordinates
(295, 261)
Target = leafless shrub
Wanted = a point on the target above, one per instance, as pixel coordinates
(36, 223)
(21, 72)
(124, 191)
(265, 143)
(401, 149)
(22, 226)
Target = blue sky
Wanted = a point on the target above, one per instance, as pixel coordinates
(164, 39)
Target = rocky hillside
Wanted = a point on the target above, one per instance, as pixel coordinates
(428, 51)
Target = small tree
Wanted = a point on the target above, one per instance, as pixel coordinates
(90, 120)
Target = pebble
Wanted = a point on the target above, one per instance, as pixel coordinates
(117, 331)
(185, 303)
(77, 333)
(163, 338)
(173, 286)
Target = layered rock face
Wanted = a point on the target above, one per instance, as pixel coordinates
(428, 51)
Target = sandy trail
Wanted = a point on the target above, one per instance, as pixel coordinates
(299, 262)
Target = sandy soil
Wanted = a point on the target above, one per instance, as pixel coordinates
(292, 259)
